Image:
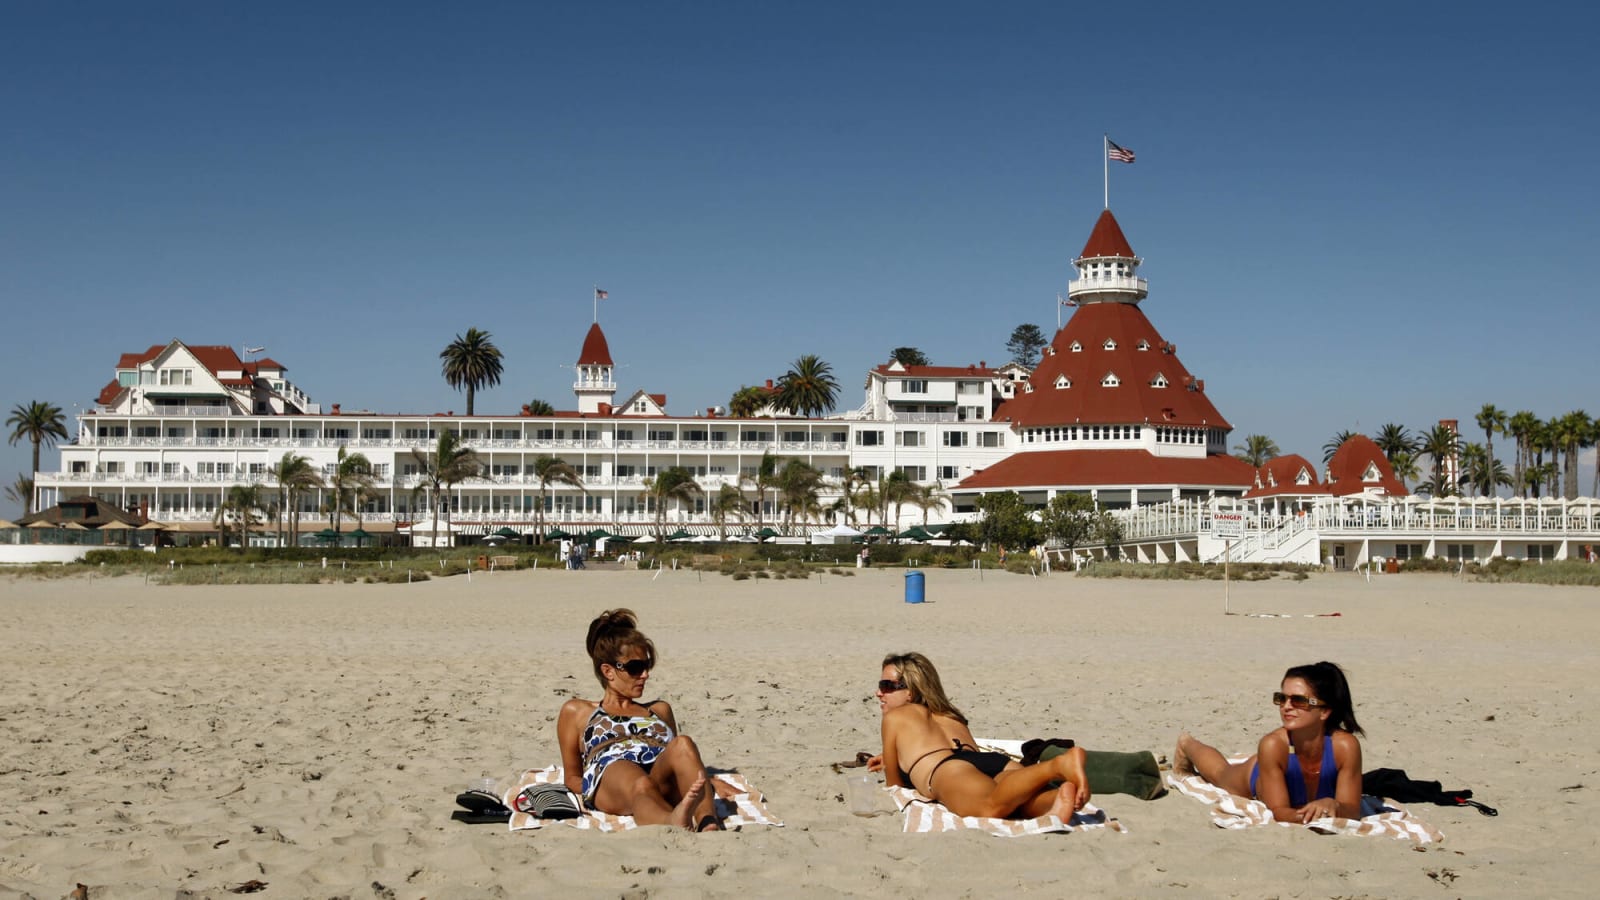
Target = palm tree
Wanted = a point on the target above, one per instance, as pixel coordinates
(352, 479)
(1521, 426)
(747, 401)
(471, 361)
(540, 408)
(729, 501)
(1256, 449)
(295, 475)
(868, 498)
(1542, 477)
(239, 505)
(798, 484)
(1393, 439)
(929, 496)
(1404, 464)
(449, 463)
(1334, 443)
(20, 492)
(898, 489)
(1594, 441)
(1480, 471)
(808, 388)
(550, 469)
(671, 483)
(1492, 420)
(1442, 445)
(1571, 434)
(766, 476)
(41, 423)
(852, 480)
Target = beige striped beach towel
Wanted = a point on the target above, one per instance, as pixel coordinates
(922, 814)
(1232, 811)
(737, 805)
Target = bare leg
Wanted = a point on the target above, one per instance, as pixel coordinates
(626, 790)
(968, 792)
(680, 773)
(1191, 757)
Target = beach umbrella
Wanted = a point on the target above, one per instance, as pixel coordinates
(680, 535)
(360, 534)
(915, 533)
(508, 532)
(326, 535)
(877, 531)
(7, 523)
(74, 526)
(644, 539)
(152, 526)
(116, 525)
(557, 534)
(766, 533)
(598, 534)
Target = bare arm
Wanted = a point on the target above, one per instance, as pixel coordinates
(1272, 760)
(663, 711)
(1347, 792)
(569, 737)
(890, 760)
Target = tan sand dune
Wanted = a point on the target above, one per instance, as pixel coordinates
(158, 739)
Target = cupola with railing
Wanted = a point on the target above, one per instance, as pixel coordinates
(1107, 270)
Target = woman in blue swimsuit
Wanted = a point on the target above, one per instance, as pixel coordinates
(1308, 769)
(626, 757)
(927, 746)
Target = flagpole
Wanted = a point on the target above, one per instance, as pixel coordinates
(1105, 161)
(596, 302)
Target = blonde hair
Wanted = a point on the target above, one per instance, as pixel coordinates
(611, 634)
(922, 680)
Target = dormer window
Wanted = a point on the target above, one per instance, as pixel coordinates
(1063, 382)
(1050, 349)
(1160, 381)
(1076, 347)
(1143, 345)
(1110, 344)
(1111, 380)
(1027, 389)
(1303, 478)
(1371, 475)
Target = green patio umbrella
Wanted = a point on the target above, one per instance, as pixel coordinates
(508, 532)
(766, 533)
(679, 535)
(557, 534)
(915, 533)
(327, 535)
(877, 531)
(360, 534)
(598, 534)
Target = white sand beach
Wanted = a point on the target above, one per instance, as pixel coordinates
(156, 740)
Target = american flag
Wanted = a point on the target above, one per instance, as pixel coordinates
(601, 295)
(1120, 154)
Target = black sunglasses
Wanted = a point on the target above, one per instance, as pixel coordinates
(635, 667)
(889, 687)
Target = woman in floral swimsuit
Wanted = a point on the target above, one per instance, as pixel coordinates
(624, 756)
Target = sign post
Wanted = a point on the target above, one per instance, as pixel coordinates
(1230, 527)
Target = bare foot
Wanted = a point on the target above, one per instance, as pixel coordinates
(1066, 802)
(683, 814)
(1181, 767)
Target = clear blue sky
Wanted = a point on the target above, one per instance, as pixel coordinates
(1350, 214)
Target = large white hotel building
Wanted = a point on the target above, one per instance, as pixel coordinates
(1108, 411)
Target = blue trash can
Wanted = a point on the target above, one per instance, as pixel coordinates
(913, 586)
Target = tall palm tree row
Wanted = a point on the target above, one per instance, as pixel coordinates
(449, 463)
(1493, 421)
(729, 503)
(471, 361)
(1571, 434)
(239, 505)
(808, 388)
(40, 423)
(1393, 439)
(798, 484)
(551, 470)
(1442, 445)
(1256, 449)
(1520, 425)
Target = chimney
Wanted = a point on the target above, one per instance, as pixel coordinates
(335, 409)
(982, 364)
(527, 410)
(1200, 385)
(769, 384)
(711, 412)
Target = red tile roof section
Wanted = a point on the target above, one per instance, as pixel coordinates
(939, 371)
(1134, 401)
(213, 357)
(110, 393)
(1107, 239)
(1350, 461)
(595, 352)
(1283, 470)
(1095, 468)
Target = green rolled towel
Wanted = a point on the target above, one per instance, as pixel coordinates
(1119, 773)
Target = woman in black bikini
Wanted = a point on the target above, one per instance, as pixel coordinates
(927, 746)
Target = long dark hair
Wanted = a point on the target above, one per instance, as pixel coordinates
(922, 680)
(1328, 683)
(611, 634)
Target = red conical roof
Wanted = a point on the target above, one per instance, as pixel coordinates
(595, 352)
(1134, 400)
(1107, 239)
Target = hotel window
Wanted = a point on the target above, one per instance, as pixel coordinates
(626, 471)
(837, 437)
(694, 434)
(641, 407)
(146, 431)
(170, 468)
(114, 468)
(624, 434)
(969, 387)
(1160, 381)
(1111, 380)
(720, 437)
(80, 467)
(795, 437)
(949, 473)
(909, 439)
(544, 434)
(654, 435)
(381, 471)
(913, 386)
(866, 438)
(376, 434)
(955, 438)
(591, 471)
(340, 434)
(1110, 344)
(305, 434)
(418, 434)
(990, 439)
(915, 473)
(1063, 382)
